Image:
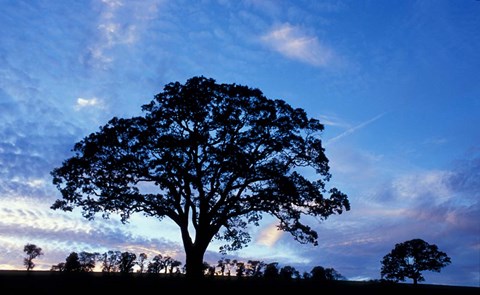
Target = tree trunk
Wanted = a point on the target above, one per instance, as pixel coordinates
(194, 263)
(194, 253)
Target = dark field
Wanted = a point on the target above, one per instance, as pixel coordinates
(46, 282)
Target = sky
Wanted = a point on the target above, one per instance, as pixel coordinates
(396, 84)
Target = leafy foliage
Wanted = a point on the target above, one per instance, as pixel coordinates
(409, 259)
(321, 274)
(127, 262)
(32, 252)
(219, 156)
(72, 263)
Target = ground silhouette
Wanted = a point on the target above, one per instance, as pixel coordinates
(48, 282)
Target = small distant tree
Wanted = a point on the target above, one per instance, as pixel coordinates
(334, 275)
(271, 271)
(255, 268)
(58, 267)
(171, 264)
(288, 272)
(222, 266)
(72, 263)
(321, 274)
(208, 269)
(306, 275)
(231, 266)
(111, 261)
(32, 252)
(174, 265)
(240, 269)
(409, 259)
(87, 261)
(127, 262)
(318, 274)
(141, 262)
(156, 265)
(77, 262)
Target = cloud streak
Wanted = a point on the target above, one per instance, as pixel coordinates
(354, 129)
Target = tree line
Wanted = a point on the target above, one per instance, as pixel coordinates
(117, 261)
(406, 260)
(125, 262)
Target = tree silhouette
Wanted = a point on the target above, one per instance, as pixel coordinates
(127, 262)
(156, 264)
(321, 274)
(111, 261)
(87, 261)
(410, 258)
(77, 262)
(220, 155)
(232, 265)
(32, 252)
(306, 275)
(72, 263)
(255, 268)
(58, 267)
(171, 264)
(288, 272)
(222, 264)
(208, 269)
(225, 266)
(141, 262)
(271, 271)
(240, 269)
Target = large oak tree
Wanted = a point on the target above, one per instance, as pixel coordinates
(219, 155)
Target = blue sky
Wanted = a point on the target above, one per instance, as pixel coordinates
(396, 83)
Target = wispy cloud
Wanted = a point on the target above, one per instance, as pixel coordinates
(354, 129)
(88, 102)
(415, 186)
(269, 235)
(111, 33)
(120, 23)
(293, 42)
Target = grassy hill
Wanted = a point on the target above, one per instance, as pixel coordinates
(46, 282)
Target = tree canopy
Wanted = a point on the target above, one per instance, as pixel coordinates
(32, 251)
(409, 259)
(219, 156)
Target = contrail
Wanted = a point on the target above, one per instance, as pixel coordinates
(355, 128)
